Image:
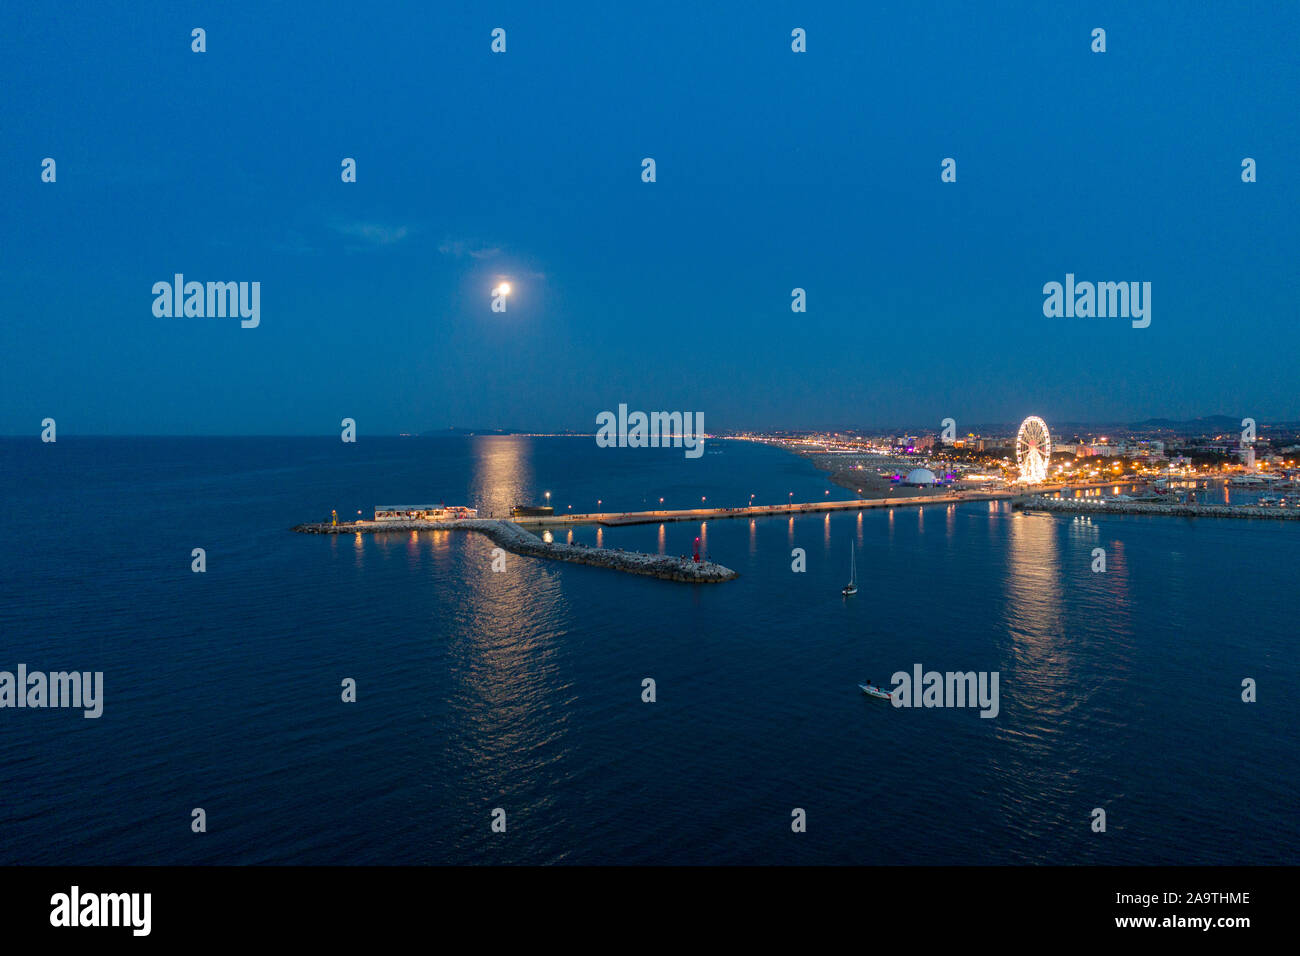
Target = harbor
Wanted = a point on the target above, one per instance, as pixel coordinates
(513, 534)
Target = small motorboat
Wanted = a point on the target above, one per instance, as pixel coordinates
(875, 692)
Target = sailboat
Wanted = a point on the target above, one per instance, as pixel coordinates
(852, 586)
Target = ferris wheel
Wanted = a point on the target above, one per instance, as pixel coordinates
(1033, 450)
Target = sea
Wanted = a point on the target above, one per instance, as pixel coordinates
(500, 717)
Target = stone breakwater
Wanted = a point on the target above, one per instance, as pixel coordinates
(513, 538)
(1097, 506)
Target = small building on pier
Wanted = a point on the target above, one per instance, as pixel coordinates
(423, 512)
(532, 511)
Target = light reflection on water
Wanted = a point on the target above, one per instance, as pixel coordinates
(502, 475)
(508, 691)
(1038, 685)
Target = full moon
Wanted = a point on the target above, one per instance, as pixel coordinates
(503, 288)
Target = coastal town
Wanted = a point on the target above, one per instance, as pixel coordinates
(1153, 461)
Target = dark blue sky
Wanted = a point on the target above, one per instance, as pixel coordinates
(775, 170)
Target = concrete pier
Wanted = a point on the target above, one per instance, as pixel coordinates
(614, 519)
(512, 537)
(1098, 506)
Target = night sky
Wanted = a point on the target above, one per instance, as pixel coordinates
(775, 170)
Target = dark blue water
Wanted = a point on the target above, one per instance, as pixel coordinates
(521, 690)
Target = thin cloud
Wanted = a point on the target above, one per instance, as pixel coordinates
(374, 233)
(465, 247)
(294, 243)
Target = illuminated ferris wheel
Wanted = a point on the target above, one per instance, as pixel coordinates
(1033, 450)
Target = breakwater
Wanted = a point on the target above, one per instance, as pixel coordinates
(515, 539)
(1101, 506)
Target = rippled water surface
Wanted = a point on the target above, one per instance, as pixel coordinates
(522, 690)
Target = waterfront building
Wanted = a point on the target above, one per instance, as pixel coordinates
(423, 512)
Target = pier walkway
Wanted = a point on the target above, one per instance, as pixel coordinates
(613, 519)
(1099, 506)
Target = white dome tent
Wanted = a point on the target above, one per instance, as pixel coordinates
(920, 478)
